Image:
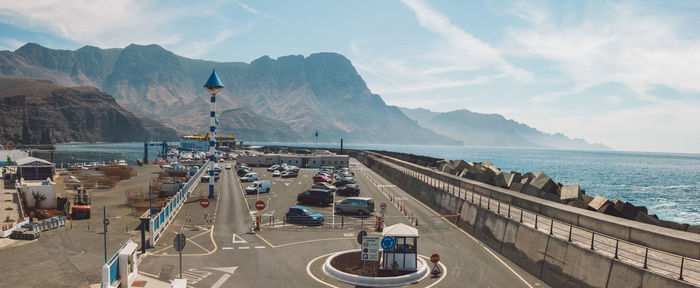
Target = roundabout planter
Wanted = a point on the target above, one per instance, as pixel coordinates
(366, 281)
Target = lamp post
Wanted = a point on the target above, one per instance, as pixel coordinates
(213, 85)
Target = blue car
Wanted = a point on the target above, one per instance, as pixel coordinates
(303, 215)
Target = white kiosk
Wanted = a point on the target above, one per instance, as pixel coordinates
(405, 251)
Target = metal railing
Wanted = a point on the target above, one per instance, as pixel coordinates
(668, 264)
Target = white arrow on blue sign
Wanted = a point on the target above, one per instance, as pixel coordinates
(388, 242)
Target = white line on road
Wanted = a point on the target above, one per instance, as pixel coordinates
(244, 247)
(226, 248)
(221, 281)
(259, 247)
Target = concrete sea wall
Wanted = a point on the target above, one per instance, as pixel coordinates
(556, 261)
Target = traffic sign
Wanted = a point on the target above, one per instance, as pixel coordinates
(107, 222)
(362, 233)
(260, 205)
(204, 202)
(436, 270)
(388, 243)
(370, 248)
(179, 242)
(435, 258)
(382, 208)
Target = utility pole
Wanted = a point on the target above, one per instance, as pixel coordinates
(104, 223)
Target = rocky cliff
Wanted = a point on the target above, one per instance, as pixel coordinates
(38, 111)
(322, 92)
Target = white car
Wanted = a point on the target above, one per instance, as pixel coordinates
(228, 166)
(276, 173)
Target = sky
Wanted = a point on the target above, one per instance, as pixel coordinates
(624, 74)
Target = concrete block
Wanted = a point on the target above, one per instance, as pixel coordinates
(580, 267)
(597, 202)
(516, 186)
(499, 180)
(576, 203)
(586, 199)
(536, 192)
(544, 183)
(673, 225)
(528, 251)
(570, 192)
(609, 209)
(694, 229)
(514, 177)
(492, 231)
(625, 276)
(646, 218)
(651, 279)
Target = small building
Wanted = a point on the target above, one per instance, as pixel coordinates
(44, 188)
(31, 168)
(226, 143)
(195, 143)
(405, 251)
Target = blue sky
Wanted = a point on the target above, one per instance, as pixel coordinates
(625, 74)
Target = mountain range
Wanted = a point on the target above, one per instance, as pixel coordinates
(477, 129)
(285, 99)
(39, 112)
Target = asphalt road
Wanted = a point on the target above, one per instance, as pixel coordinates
(230, 255)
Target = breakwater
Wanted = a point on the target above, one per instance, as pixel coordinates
(564, 246)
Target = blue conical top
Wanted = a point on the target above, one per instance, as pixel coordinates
(213, 82)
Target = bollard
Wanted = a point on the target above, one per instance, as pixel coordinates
(88, 225)
(126, 226)
(71, 223)
(342, 221)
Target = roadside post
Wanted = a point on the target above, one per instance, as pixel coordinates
(259, 205)
(179, 244)
(105, 222)
(204, 202)
(436, 270)
(380, 218)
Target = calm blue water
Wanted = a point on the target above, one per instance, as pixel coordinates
(667, 184)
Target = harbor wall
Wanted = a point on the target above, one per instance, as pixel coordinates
(557, 262)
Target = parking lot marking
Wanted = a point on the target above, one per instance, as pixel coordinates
(244, 247)
(226, 248)
(259, 247)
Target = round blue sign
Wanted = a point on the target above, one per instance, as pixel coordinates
(388, 243)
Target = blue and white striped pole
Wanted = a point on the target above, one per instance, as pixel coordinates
(213, 85)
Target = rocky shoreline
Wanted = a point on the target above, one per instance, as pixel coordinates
(539, 184)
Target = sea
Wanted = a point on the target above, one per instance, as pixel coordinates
(668, 184)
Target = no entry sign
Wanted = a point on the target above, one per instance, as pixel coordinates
(204, 202)
(435, 258)
(260, 205)
(106, 221)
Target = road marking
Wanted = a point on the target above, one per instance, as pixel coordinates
(308, 270)
(221, 281)
(244, 247)
(234, 241)
(228, 270)
(470, 236)
(193, 275)
(300, 242)
(259, 247)
(226, 248)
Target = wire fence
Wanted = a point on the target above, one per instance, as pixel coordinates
(664, 263)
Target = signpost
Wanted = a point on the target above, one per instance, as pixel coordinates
(370, 248)
(436, 270)
(204, 202)
(382, 208)
(435, 258)
(179, 244)
(388, 242)
(259, 205)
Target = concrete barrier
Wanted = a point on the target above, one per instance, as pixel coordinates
(528, 249)
(568, 265)
(492, 231)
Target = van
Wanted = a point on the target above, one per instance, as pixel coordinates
(262, 186)
(319, 197)
(355, 205)
(250, 177)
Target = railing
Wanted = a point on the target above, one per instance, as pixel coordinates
(670, 265)
(160, 221)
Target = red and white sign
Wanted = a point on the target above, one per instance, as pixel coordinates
(107, 222)
(435, 258)
(383, 206)
(204, 202)
(260, 205)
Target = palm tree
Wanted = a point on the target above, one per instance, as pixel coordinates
(38, 197)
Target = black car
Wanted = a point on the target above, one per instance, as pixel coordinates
(319, 197)
(344, 181)
(243, 170)
(352, 190)
(289, 174)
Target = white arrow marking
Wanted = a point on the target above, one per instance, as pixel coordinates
(228, 270)
(234, 241)
(221, 281)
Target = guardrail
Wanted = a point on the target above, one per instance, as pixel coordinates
(665, 263)
(159, 222)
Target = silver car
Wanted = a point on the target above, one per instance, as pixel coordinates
(355, 205)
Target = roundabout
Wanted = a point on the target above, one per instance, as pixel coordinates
(325, 270)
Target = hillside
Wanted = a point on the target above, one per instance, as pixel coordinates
(322, 92)
(477, 129)
(38, 111)
(246, 124)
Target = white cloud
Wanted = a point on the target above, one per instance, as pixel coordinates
(256, 12)
(114, 23)
(10, 44)
(195, 49)
(622, 43)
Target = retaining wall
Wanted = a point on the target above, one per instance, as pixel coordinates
(557, 262)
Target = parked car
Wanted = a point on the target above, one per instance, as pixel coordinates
(206, 177)
(292, 168)
(343, 181)
(257, 187)
(303, 215)
(355, 205)
(349, 190)
(276, 173)
(320, 197)
(321, 178)
(250, 177)
(243, 170)
(289, 174)
(274, 168)
(324, 174)
(228, 166)
(323, 185)
(344, 174)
